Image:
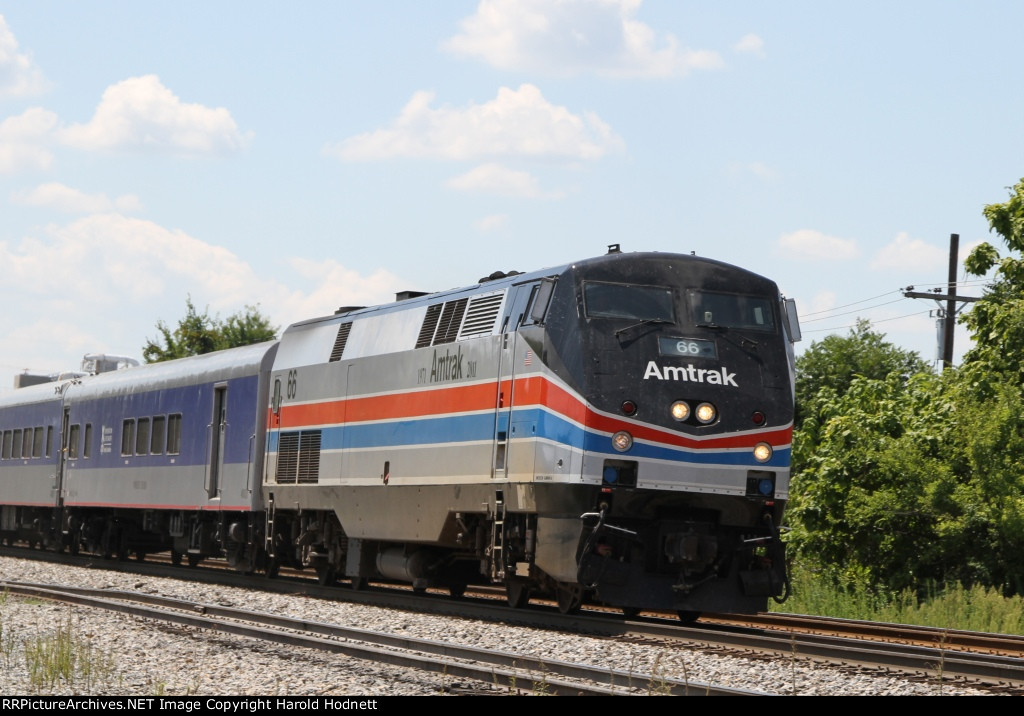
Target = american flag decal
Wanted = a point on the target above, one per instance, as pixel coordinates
(528, 358)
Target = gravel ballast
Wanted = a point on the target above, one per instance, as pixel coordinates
(131, 656)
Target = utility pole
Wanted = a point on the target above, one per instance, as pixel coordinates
(948, 315)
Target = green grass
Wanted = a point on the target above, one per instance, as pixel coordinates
(56, 658)
(950, 607)
(65, 658)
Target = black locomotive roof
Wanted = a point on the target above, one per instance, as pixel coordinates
(611, 266)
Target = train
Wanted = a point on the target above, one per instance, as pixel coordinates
(615, 430)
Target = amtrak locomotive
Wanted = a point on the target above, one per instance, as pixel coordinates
(615, 430)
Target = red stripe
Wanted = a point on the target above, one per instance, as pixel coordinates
(534, 390)
(422, 403)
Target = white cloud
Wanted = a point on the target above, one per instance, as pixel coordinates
(494, 222)
(496, 179)
(758, 169)
(72, 201)
(751, 44)
(101, 283)
(329, 285)
(19, 76)
(141, 114)
(519, 123)
(132, 259)
(568, 37)
(811, 244)
(23, 140)
(762, 170)
(822, 301)
(906, 254)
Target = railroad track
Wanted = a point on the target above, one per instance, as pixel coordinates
(990, 662)
(947, 639)
(514, 672)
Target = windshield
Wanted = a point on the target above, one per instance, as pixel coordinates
(731, 310)
(619, 300)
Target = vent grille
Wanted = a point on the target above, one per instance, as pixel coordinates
(426, 336)
(298, 458)
(451, 320)
(460, 319)
(339, 343)
(309, 457)
(480, 316)
(287, 458)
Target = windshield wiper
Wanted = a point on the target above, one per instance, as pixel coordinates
(645, 322)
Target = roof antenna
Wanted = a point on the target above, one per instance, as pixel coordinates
(614, 249)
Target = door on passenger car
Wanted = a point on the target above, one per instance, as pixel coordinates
(218, 427)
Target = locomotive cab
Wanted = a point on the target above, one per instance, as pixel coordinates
(686, 370)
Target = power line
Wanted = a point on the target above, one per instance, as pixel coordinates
(925, 284)
(836, 308)
(853, 325)
(846, 313)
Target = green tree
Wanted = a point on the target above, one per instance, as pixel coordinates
(858, 501)
(246, 327)
(904, 478)
(828, 368)
(996, 321)
(199, 333)
(835, 361)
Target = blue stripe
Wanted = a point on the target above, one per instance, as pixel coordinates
(480, 428)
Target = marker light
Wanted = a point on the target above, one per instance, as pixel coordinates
(622, 441)
(762, 452)
(758, 417)
(706, 413)
(680, 410)
(628, 407)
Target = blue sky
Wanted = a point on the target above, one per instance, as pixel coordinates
(305, 156)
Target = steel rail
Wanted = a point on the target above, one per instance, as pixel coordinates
(511, 671)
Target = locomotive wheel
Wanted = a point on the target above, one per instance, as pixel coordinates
(688, 617)
(517, 592)
(325, 575)
(106, 546)
(273, 568)
(457, 589)
(630, 612)
(193, 560)
(175, 558)
(359, 583)
(569, 598)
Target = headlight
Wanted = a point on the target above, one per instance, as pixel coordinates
(622, 441)
(762, 452)
(680, 410)
(706, 413)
